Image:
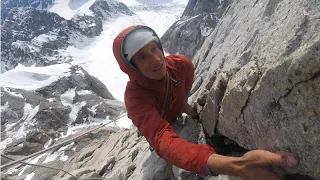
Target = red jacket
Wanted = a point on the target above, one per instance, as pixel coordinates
(144, 99)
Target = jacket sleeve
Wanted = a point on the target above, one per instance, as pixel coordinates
(161, 137)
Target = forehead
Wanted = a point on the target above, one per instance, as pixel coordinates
(145, 48)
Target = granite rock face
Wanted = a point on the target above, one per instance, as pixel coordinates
(196, 23)
(125, 155)
(258, 77)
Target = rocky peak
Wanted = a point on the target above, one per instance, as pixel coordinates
(35, 116)
(7, 5)
(196, 7)
(197, 22)
(37, 37)
(27, 23)
(104, 9)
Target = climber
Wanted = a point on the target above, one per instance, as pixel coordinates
(157, 94)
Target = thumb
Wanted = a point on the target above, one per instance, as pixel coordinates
(288, 159)
(282, 159)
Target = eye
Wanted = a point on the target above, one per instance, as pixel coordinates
(142, 57)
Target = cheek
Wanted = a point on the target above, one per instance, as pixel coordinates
(144, 68)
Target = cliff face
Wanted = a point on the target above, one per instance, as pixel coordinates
(197, 22)
(258, 78)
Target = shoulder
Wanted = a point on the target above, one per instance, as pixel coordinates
(178, 58)
(179, 61)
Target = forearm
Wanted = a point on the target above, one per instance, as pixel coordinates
(219, 164)
(255, 164)
(184, 154)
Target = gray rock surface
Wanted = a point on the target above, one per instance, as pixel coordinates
(257, 83)
(89, 26)
(44, 113)
(24, 148)
(7, 5)
(197, 22)
(79, 79)
(37, 37)
(27, 39)
(259, 72)
(104, 9)
(125, 155)
(52, 116)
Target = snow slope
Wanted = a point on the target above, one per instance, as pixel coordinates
(68, 8)
(95, 54)
(31, 78)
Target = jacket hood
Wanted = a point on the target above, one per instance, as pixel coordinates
(125, 66)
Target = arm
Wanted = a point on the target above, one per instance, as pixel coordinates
(160, 135)
(253, 165)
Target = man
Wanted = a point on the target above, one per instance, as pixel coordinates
(157, 94)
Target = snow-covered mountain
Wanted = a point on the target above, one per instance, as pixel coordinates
(257, 82)
(39, 37)
(59, 75)
(8, 5)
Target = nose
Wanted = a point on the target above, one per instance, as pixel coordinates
(155, 59)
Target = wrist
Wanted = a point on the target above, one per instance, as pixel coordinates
(218, 164)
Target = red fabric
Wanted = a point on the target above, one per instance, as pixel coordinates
(144, 99)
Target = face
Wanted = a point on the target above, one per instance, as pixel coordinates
(150, 61)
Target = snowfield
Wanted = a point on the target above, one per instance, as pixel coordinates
(93, 54)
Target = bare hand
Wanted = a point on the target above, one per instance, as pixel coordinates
(259, 163)
(253, 165)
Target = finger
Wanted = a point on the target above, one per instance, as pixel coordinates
(280, 159)
(290, 159)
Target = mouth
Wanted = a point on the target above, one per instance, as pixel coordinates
(158, 68)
